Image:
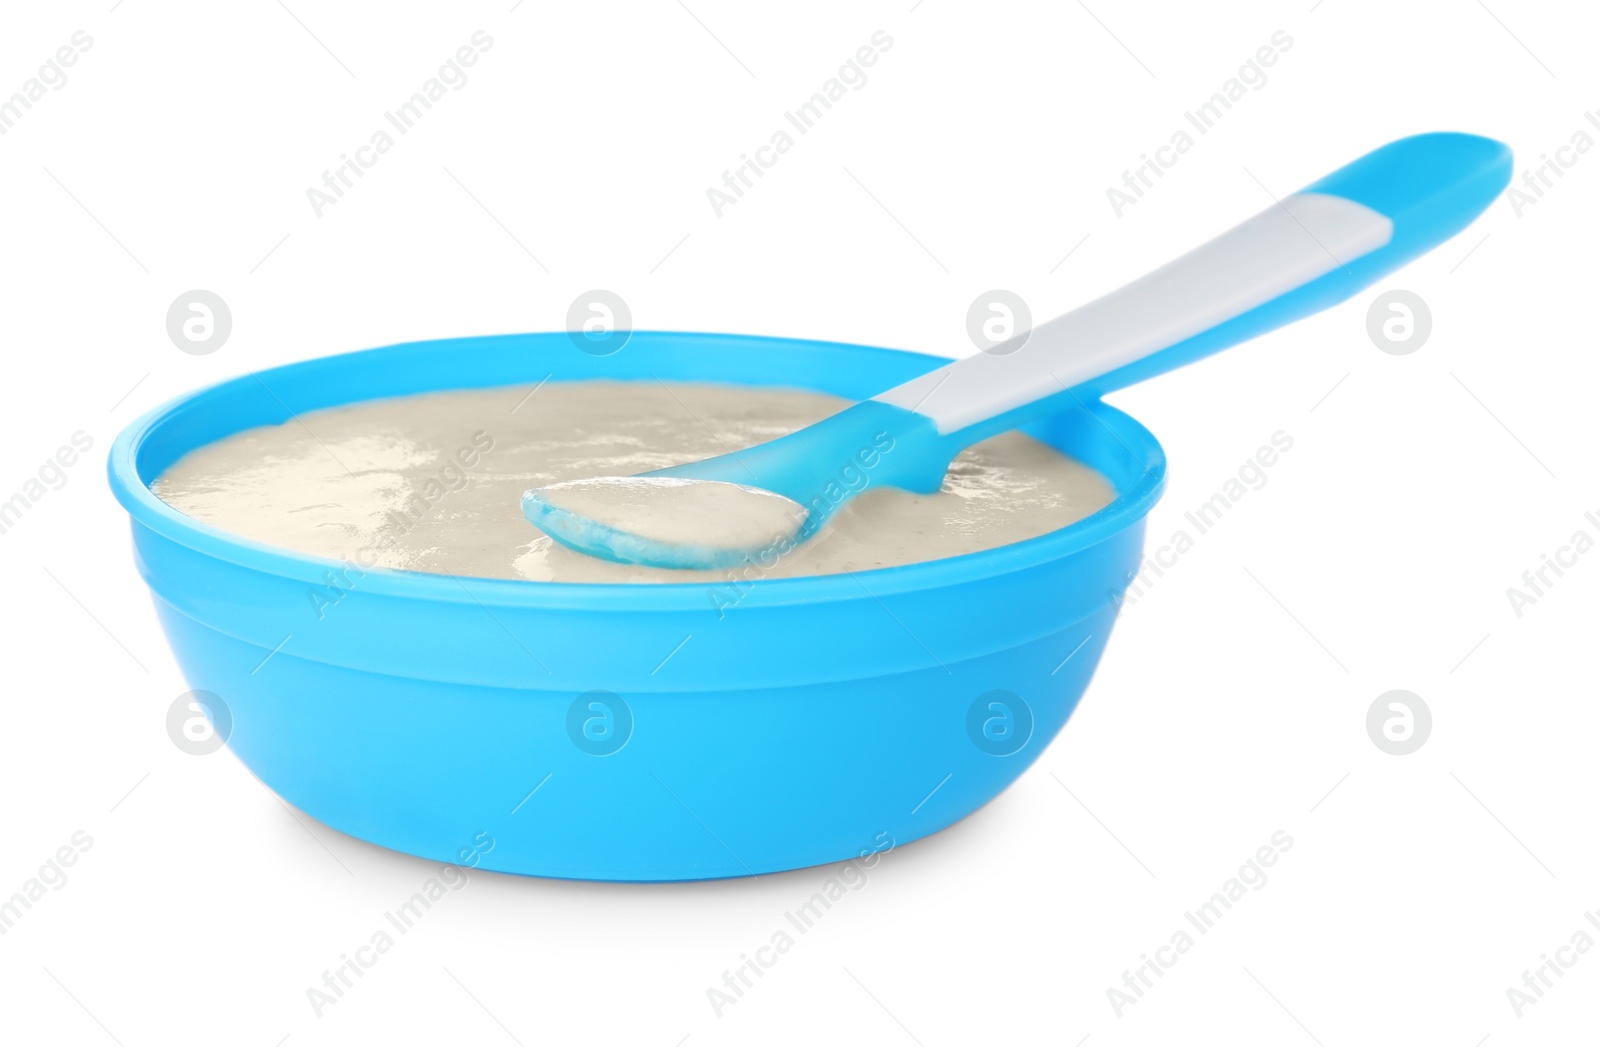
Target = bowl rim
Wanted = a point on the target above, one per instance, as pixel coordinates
(1130, 506)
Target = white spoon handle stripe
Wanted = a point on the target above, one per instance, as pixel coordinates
(1284, 247)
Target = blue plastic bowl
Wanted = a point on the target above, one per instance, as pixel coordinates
(632, 732)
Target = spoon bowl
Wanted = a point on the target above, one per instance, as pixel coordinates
(667, 521)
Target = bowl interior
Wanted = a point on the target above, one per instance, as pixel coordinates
(1090, 431)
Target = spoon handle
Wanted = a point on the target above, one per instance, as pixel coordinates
(1305, 253)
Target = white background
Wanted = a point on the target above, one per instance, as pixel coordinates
(1232, 700)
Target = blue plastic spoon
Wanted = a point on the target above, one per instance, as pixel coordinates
(1309, 251)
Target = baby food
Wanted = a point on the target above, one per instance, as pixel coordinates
(433, 482)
